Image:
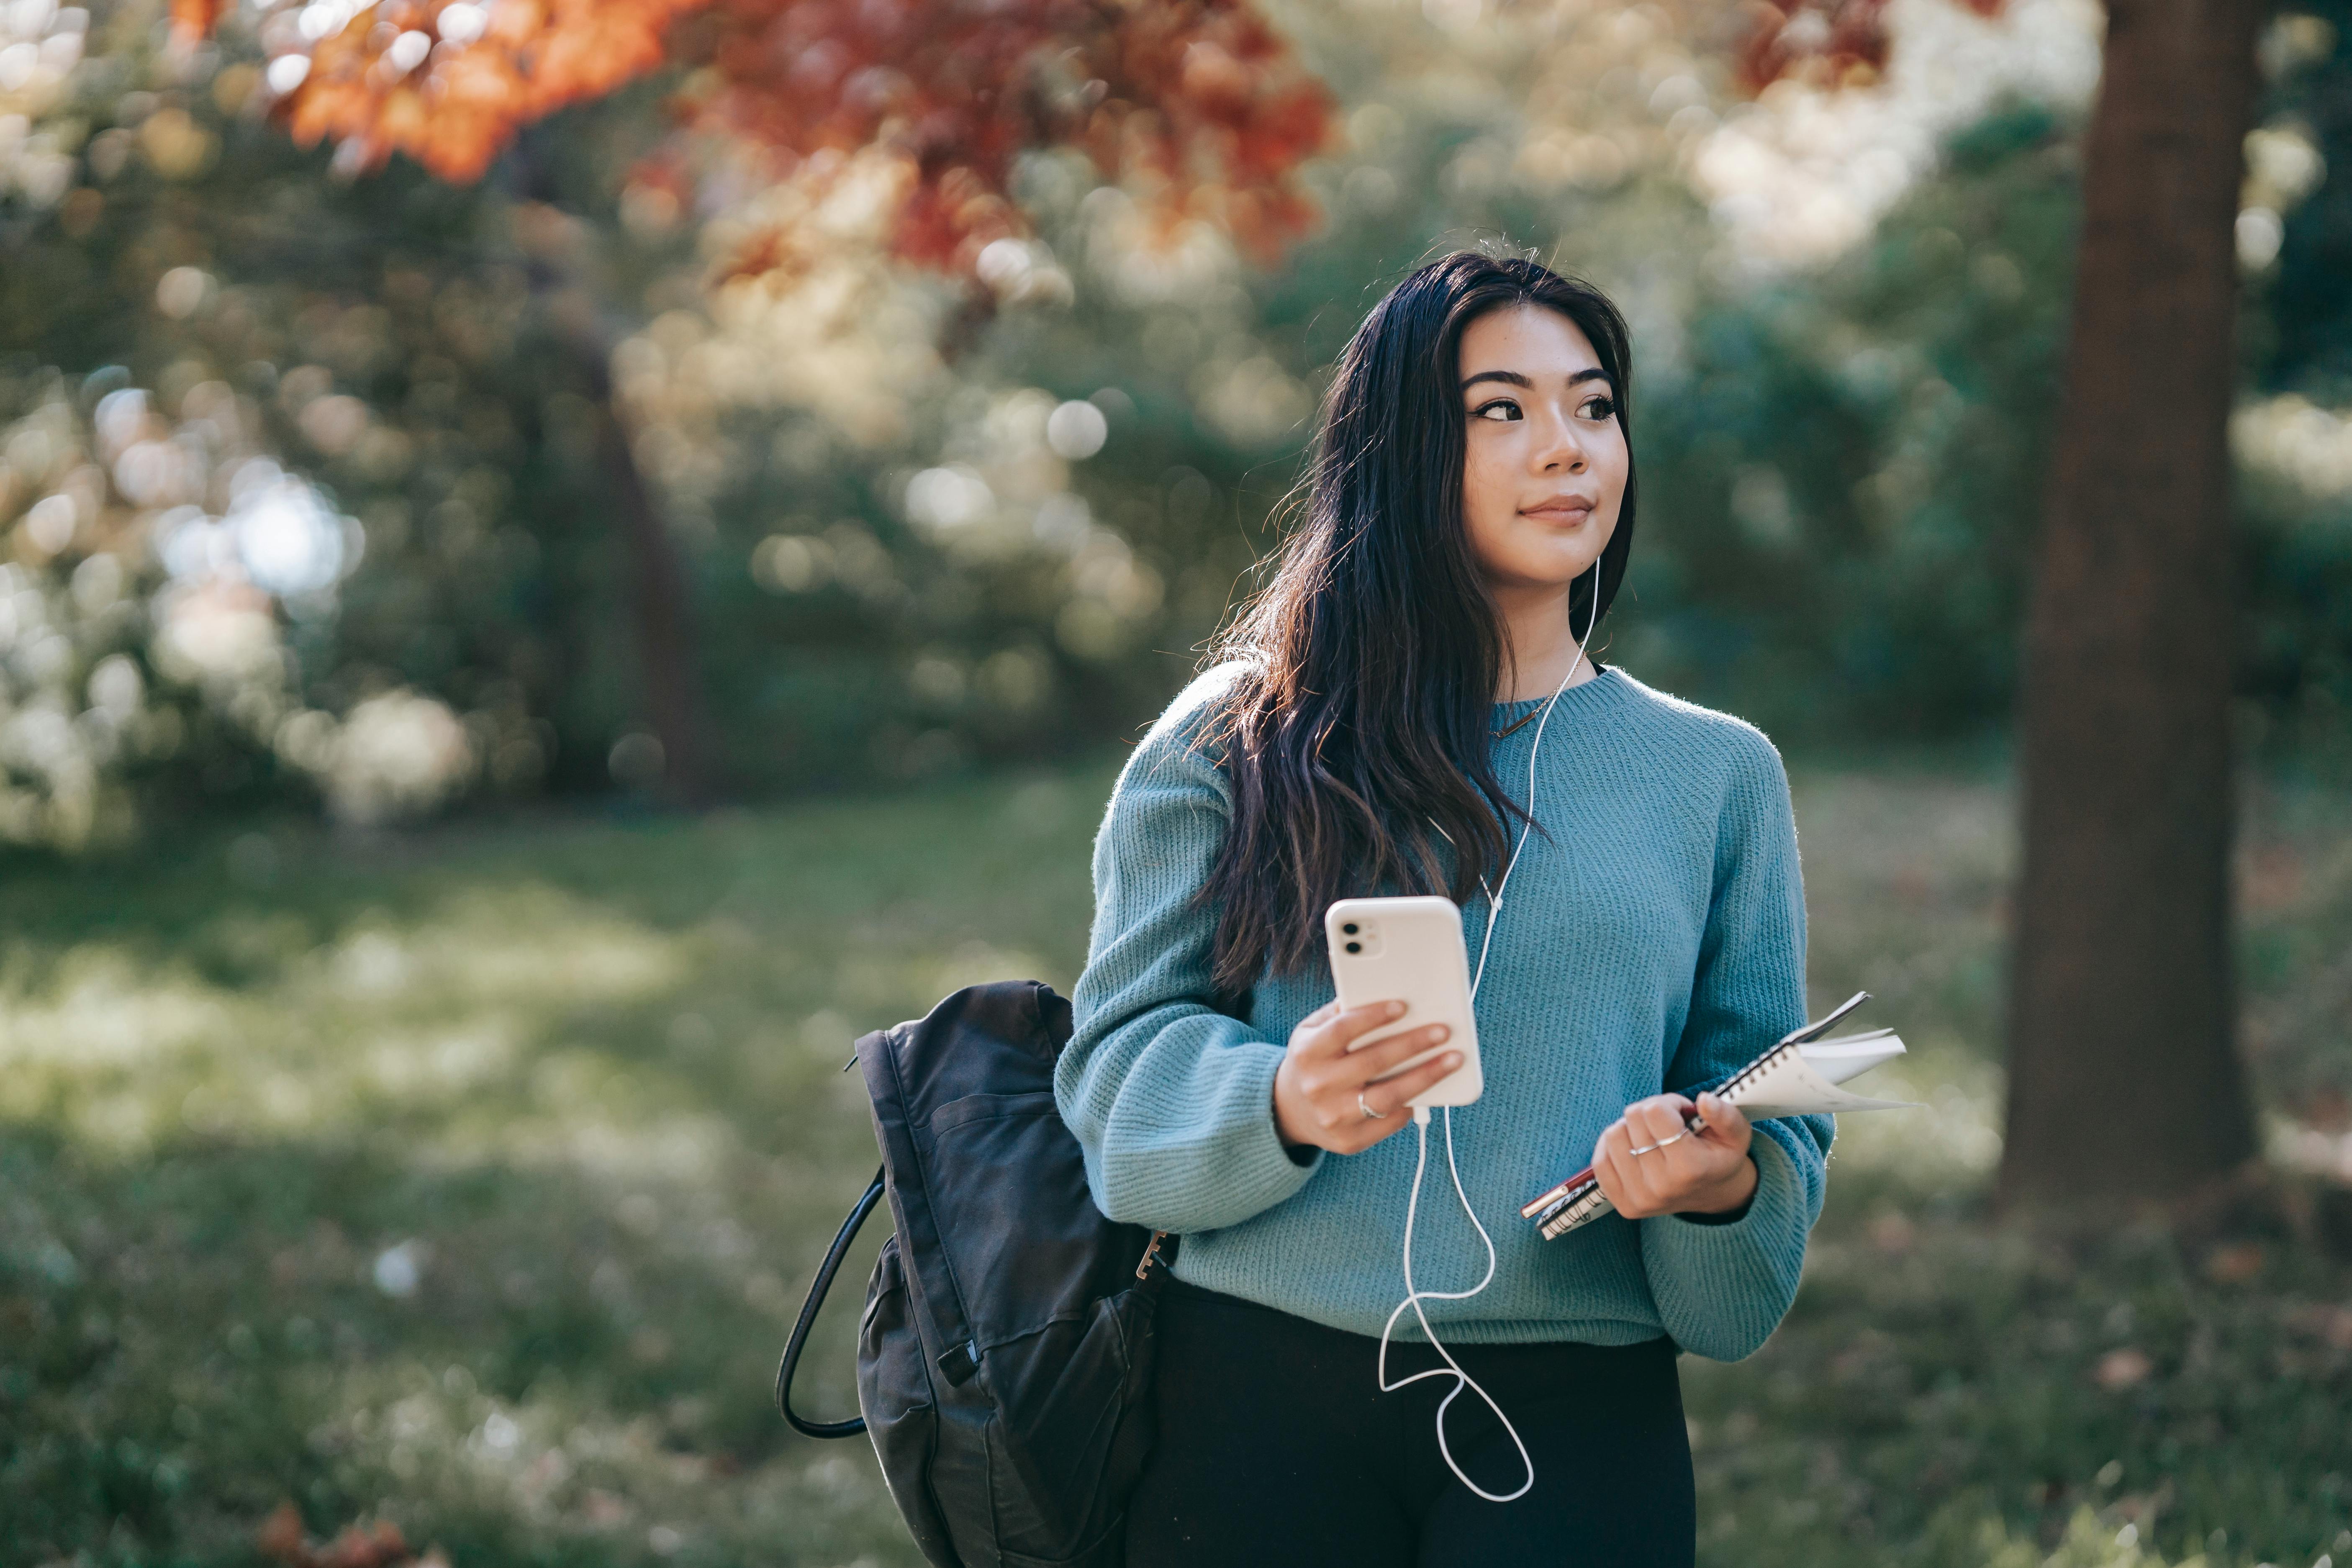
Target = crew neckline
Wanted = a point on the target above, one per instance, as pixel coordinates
(1524, 704)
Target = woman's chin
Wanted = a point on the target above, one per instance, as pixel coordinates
(1536, 577)
(1532, 558)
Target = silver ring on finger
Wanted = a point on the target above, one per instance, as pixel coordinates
(1675, 1139)
(1647, 1148)
(1370, 1114)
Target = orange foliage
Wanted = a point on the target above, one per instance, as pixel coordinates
(193, 19)
(449, 82)
(1197, 100)
(377, 1545)
(1833, 43)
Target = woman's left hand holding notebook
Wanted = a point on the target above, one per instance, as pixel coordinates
(1668, 1155)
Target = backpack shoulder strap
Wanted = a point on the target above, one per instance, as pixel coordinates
(809, 1309)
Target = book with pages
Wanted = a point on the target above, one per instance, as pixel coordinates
(1802, 1075)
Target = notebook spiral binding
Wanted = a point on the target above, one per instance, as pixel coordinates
(1754, 1070)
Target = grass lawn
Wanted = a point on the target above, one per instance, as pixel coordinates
(470, 1181)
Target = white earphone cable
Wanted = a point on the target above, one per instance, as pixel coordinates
(1413, 1296)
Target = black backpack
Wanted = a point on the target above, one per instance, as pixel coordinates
(1004, 1360)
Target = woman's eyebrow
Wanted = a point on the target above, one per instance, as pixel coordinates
(1513, 377)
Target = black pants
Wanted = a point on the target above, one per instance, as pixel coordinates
(1276, 1447)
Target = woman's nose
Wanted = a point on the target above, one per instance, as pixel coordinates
(1558, 450)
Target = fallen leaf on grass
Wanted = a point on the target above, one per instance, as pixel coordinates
(280, 1535)
(2325, 1321)
(379, 1545)
(2234, 1265)
(356, 1545)
(2123, 1368)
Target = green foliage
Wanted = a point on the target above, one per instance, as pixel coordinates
(2309, 344)
(382, 339)
(1848, 462)
(124, 684)
(472, 1183)
(2296, 494)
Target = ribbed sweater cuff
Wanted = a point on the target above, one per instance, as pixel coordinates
(1276, 1170)
(1721, 1290)
(1232, 1167)
(1255, 1170)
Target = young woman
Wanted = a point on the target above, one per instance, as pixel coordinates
(1468, 514)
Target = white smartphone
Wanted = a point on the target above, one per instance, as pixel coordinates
(1410, 951)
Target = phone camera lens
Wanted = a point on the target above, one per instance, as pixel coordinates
(1349, 927)
(1355, 947)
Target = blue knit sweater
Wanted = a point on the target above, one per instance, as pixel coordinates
(1654, 939)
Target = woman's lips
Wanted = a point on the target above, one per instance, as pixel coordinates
(1559, 513)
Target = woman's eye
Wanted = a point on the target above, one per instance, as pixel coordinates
(1602, 408)
(1501, 408)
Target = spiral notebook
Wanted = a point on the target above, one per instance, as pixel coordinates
(1800, 1076)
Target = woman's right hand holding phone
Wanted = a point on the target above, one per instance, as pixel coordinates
(1323, 1090)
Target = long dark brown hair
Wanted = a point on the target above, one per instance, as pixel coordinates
(1356, 740)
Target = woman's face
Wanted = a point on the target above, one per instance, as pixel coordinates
(1545, 471)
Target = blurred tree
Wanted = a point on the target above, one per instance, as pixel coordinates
(2291, 437)
(1845, 459)
(932, 514)
(926, 105)
(2125, 1081)
(2306, 158)
(101, 701)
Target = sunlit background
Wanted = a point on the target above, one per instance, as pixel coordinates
(502, 681)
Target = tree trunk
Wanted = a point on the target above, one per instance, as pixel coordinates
(2125, 1082)
(661, 608)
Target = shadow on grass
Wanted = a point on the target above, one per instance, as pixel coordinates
(901, 861)
(504, 1360)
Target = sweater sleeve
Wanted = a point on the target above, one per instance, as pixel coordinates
(1172, 1101)
(1721, 1287)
